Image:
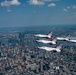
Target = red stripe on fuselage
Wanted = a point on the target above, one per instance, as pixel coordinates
(54, 47)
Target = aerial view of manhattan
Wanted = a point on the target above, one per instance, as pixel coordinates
(37, 37)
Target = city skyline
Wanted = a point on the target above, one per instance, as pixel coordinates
(37, 12)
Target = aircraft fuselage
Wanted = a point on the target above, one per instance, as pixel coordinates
(50, 48)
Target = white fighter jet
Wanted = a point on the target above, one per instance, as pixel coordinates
(45, 35)
(54, 48)
(66, 39)
(63, 38)
(45, 41)
(71, 40)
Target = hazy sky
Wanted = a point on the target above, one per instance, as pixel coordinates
(37, 12)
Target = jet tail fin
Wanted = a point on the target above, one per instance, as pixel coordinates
(68, 36)
(59, 45)
(50, 33)
(54, 39)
